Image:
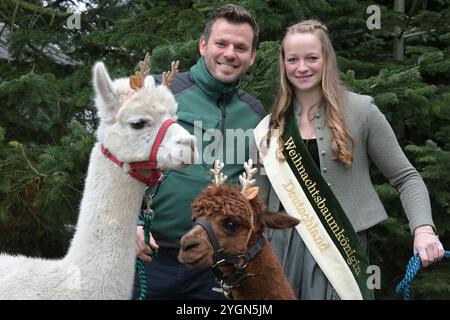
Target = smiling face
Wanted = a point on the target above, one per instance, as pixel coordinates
(228, 52)
(303, 61)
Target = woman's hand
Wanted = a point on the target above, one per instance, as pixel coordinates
(427, 244)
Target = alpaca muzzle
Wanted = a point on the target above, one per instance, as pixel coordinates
(135, 168)
(221, 258)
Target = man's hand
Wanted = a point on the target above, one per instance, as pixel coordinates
(427, 244)
(144, 251)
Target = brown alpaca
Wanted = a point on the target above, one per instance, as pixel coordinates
(237, 218)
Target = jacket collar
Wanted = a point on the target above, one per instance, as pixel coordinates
(208, 84)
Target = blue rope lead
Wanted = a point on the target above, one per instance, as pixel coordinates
(413, 267)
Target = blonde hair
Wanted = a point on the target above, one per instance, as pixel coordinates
(332, 95)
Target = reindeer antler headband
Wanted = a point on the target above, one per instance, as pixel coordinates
(247, 181)
(246, 178)
(168, 77)
(137, 81)
(219, 178)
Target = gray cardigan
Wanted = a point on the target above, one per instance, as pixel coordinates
(375, 141)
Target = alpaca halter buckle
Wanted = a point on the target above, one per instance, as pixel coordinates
(240, 261)
(156, 175)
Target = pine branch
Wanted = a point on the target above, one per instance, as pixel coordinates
(31, 7)
(260, 72)
(19, 146)
(409, 35)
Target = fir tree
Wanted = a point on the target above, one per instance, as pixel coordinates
(47, 122)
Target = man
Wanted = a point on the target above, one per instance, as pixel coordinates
(209, 101)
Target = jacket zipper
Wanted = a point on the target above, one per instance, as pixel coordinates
(224, 114)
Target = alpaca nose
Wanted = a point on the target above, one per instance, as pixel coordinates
(195, 153)
(189, 141)
(193, 143)
(187, 151)
(189, 246)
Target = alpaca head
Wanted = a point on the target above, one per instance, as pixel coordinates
(236, 216)
(130, 120)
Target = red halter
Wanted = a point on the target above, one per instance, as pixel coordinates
(156, 174)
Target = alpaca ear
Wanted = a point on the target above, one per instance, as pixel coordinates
(251, 193)
(106, 99)
(278, 220)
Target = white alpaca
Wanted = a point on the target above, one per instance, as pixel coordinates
(101, 259)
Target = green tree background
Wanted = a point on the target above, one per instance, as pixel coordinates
(48, 121)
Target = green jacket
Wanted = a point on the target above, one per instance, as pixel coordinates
(208, 109)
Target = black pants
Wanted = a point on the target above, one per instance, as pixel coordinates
(169, 279)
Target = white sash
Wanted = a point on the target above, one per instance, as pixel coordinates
(310, 229)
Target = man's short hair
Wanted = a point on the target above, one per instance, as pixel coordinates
(234, 14)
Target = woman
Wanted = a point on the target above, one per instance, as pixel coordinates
(316, 146)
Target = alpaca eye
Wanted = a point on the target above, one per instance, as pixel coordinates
(230, 226)
(138, 125)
